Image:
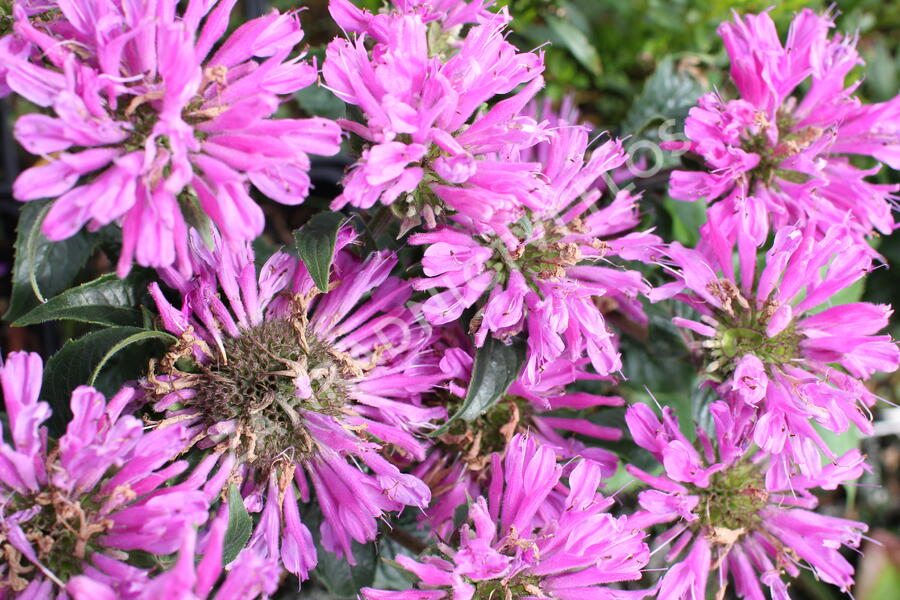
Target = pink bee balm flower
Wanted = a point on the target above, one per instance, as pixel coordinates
(458, 467)
(788, 147)
(303, 389)
(75, 507)
(505, 551)
(735, 522)
(156, 132)
(541, 275)
(197, 573)
(762, 340)
(429, 152)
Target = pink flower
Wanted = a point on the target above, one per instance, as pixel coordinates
(505, 550)
(736, 521)
(197, 572)
(789, 148)
(80, 507)
(429, 153)
(764, 342)
(304, 390)
(541, 275)
(148, 132)
(458, 466)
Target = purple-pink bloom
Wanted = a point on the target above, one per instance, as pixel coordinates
(736, 523)
(303, 389)
(155, 131)
(789, 139)
(767, 341)
(197, 574)
(78, 505)
(429, 152)
(458, 466)
(543, 275)
(505, 550)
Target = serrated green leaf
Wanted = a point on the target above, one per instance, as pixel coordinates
(106, 300)
(239, 527)
(497, 366)
(43, 268)
(667, 94)
(79, 362)
(315, 242)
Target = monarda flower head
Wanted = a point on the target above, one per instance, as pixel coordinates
(789, 138)
(541, 277)
(430, 152)
(304, 389)
(458, 467)
(198, 573)
(505, 551)
(732, 522)
(156, 131)
(768, 348)
(77, 506)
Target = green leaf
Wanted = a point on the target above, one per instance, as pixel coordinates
(141, 336)
(687, 218)
(239, 526)
(343, 579)
(318, 101)
(315, 242)
(576, 42)
(496, 366)
(668, 94)
(80, 362)
(43, 267)
(107, 300)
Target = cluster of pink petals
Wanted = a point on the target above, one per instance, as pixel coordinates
(105, 464)
(153, 129)
(785, 535)
(836, 349)
(788, 147)
(571, 551)
(424, 134)
(197, 573)
(363, 316)
(458, 482)
(552, 299)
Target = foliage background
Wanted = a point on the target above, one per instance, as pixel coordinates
(629, 66)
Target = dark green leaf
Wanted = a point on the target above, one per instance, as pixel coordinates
(79, 362)
(141, 336)
(317, 101)
(315, 242)
(43, 268)
(239, 526)
(496, 366)
(107, 300)
(343, 579)
(340, 577)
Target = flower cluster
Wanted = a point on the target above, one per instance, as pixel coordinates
(733, 519)
(514, 549)
(153, 129)
(787, 141)
(77, 506)
(299, 390)
(456, 389)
